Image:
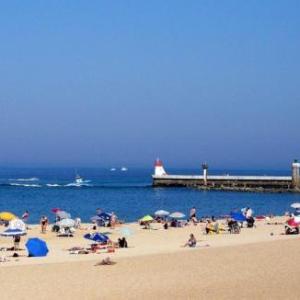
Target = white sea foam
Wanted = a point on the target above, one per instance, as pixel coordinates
(53, 185)
(25, 185)
(26, 179)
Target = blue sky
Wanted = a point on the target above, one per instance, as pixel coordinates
(101, 83)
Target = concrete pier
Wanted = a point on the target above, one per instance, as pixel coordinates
(234, 183)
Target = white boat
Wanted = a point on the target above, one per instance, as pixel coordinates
(113, 169)
(124, 169)
(79, 181)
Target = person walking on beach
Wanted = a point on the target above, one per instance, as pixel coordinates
(25, 217)
(193, 217)
(193, 212)
(44, 223)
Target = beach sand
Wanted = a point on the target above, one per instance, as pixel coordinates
(253, 264)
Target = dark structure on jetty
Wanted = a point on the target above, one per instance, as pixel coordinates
(231, 183)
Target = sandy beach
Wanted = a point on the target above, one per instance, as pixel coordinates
(258, 263)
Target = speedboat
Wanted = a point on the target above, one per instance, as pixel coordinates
(79, 181)
(124, 169)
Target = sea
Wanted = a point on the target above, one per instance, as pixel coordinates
(129, 194)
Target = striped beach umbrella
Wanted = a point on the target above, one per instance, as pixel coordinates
(177, 215)
(13, 232)
(17, 224)
(66, 223)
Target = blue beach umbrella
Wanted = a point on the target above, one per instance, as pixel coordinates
(96, 218)
(96, 237)
(105, 216)
(36, 247)
(238, 217)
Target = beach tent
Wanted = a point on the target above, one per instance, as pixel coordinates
(161, 213)
(17, 224)
(238, 217)
(13, 232)
(7, 216)
(177, 215)
(146, 218)
(97, 237)
(36, 247)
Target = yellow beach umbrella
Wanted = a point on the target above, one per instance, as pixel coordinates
(146, 218)
(7, 216)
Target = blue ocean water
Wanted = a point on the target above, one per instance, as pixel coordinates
(129, 194)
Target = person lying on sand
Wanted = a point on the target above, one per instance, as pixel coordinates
(105, 262)
(83, 251)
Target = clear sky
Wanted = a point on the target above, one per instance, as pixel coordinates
(109, 83)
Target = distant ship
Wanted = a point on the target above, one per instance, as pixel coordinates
(124, 169)
(79, 181)
(113, 169)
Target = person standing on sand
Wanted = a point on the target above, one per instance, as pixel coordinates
(113, 219)
(44, 223)
(25, 216)
(17, 240)
(193, 217)
(193, 212)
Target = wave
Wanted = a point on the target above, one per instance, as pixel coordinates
(74, 185)
(53, 185)
(25, 184)
(26, 179)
